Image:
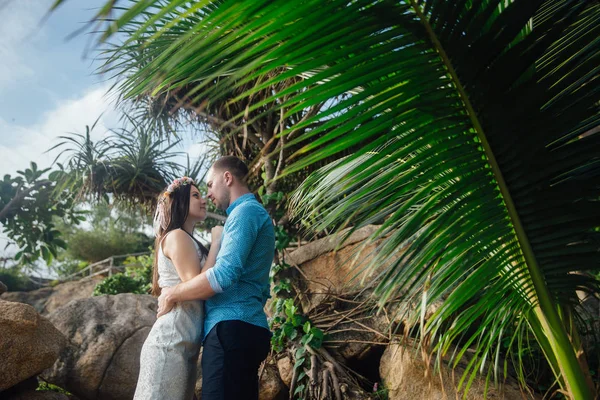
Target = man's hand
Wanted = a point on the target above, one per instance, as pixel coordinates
(165, 301)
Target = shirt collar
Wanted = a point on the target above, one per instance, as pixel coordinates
(240, 200)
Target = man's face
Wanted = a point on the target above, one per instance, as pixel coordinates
(218, 191)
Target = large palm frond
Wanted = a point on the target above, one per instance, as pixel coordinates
(250, 134)
(474, 124)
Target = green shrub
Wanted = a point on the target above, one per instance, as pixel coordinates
(136, 279)
(14, 280)
(120, 283)
(139, 267)
(65, 267)
(99, 244)
(48, 387)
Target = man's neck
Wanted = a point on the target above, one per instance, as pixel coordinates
(236, 193)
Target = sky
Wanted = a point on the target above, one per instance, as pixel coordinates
(48, 84)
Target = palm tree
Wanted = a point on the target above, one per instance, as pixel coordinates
(474, 130)
(133, 164)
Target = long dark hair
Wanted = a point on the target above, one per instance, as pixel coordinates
(176, 208)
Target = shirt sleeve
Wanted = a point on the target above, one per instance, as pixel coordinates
(239, 235)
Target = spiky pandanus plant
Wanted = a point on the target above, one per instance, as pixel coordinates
(476, 123)
(241, 127)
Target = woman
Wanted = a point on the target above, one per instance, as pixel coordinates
(170, 353)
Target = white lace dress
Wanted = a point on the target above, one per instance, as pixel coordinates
(170, 353)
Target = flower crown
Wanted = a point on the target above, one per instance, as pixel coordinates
(185, 180)
(161, 221)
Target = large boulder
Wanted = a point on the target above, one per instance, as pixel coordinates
(106, 334)
(35, 298)
(29, 343)
(48, 299)
(68, 291)
(332, 266)
(406, 376)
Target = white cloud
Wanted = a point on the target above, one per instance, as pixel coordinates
(22, 144)
(20, 24)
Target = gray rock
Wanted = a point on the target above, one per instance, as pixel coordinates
(405, 376)
(3, 288)
(69, 291)
(48, 299)
(35, 298)
(330, 267)
(29, 343)
(105, 334)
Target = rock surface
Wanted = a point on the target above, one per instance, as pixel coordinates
(3, 288)
(68, 291)
(29, 343)
(48, 299)
(286, 369)
(35, 298)
(404, 375)
(106, 334)
(271, 386)
(329, 267)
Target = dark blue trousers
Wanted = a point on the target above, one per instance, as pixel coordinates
(233, 352)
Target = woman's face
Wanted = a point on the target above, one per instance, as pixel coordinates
(197, 205)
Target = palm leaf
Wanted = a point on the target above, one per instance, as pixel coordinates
(474, 124)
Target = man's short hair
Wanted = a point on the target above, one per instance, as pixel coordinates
(234, 165)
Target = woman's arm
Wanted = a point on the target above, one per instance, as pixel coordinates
(216, 233)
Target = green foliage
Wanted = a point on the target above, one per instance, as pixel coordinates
(44, 386)
(380, 392)
(140, 268)
(137, 277)
(64, 266)
(474, 124)
(114, 231)
(292, 329)
(133, 164)
(274, 202)
(120, 283)
(28, 206)
(98, 244)
(15, 280)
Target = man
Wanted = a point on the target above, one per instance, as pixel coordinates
(236, 334)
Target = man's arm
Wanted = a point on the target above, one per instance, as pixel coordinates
(194, 289)
(239, 238)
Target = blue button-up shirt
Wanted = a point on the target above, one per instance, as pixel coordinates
(240, 276)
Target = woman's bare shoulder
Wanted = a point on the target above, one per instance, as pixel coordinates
(175, 241)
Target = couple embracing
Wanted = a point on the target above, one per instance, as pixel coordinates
(212, 298)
